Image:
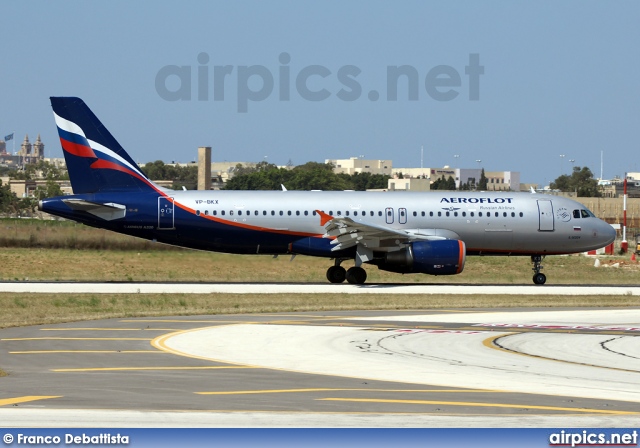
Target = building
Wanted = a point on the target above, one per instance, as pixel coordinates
(355, 165)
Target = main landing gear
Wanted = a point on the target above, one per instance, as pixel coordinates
(356, 275)
(538, 278)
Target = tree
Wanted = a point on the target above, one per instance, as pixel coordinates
(581, 182)
(310, 176)
(186, 176)
(442, 184)
(483, 184)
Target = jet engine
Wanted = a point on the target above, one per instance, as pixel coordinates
(439, 257)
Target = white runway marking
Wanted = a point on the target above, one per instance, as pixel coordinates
(450, 359)
(277, 288)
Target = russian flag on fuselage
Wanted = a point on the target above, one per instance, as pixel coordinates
(95, 160)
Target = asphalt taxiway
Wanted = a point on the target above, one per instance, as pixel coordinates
(457, 367)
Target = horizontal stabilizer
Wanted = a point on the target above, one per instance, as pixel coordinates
(108, 211)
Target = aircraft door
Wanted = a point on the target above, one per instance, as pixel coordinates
(402, 215)
(545, 213)
(165, 213)
(389, 215)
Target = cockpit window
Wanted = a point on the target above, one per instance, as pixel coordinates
(587, 213)
(576, 213)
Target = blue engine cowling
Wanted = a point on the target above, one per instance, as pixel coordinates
(440, 257)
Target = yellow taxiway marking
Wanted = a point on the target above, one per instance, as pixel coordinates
(16, 400)
(76, 339)
(177, 321)
(38, 352)
(484, 405)
(109, 329)
(286, 391)
(116, 369)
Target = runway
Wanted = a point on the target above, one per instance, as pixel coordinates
(435, 368)
(314, 288)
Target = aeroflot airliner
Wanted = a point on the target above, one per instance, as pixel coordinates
(403, 232)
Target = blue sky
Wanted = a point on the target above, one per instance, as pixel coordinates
(559, 78)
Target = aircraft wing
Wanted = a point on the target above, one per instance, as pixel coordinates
(347, 233)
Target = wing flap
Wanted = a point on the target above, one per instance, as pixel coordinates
(347, 233)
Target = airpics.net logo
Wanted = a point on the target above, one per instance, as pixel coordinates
(253, 83)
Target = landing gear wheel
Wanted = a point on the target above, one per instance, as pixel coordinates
(539, 278)
(336, 274)
(356, 275)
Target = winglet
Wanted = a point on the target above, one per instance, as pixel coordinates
(324, 218)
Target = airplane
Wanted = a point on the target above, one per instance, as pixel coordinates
(402, 232)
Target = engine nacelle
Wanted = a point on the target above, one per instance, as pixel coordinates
(439, 257)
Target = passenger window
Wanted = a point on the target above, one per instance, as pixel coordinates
(273, 212)
(455, 213)
(447, 213)
(472, 213)
(439, 213)
(222, 212)
(339, 213)
(239, 213)
(346, 213)
(215, 213)
(281, 213)
(576, 213)
(415, 213)
(306, 213)
(464, 214)
(314, 213)
(504, 214)
(480, 214)
(256, 213)
(521, 215)
(206, 212)
(423, 213)
(197, 212)
(430, 213)
(297, 212)
(513, 214)
(379, 213)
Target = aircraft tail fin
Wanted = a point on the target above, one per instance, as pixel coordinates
(95, 160)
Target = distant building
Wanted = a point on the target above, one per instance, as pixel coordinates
(355, 165)
(409, 184)
(31, 153)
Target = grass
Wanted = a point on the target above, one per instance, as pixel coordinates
(64, 251)
(44, 309)
(197, 266)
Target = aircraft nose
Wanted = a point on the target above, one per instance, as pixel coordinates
(606, 233)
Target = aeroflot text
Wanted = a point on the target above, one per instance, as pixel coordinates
(477, 200)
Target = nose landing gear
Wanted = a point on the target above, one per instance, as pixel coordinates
(538, 277)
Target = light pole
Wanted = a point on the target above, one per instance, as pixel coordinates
(561, 164)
